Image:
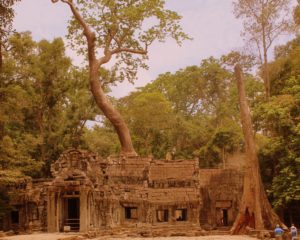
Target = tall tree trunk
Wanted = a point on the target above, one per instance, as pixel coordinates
(266, 74)
(223, 157)
(267, 77)
(2, 127)
(111, 113)
(255, 211)
(101, 99)
(1, 56)
(40, 122)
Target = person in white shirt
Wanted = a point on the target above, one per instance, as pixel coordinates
(294, 232)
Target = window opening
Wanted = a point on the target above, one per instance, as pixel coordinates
(162, 215)
(181, 214)
(131, 213)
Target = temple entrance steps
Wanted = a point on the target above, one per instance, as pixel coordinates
(73, 223)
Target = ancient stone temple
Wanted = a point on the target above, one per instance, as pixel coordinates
(88, 193)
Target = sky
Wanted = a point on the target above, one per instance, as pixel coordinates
(210, 23)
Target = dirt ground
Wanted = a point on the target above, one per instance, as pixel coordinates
(193, 238)
(56, 236)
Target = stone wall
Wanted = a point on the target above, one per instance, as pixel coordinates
(221, 191)
(91, 193)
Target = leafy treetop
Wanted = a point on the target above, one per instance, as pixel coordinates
(124, 28)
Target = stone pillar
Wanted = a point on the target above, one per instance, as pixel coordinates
(51, 213)
(59, 213)
(83, 210)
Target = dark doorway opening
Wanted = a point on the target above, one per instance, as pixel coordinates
(73, 208)
(72, 213)
(15, 217)
(225, 217)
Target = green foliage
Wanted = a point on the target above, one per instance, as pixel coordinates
(9, 179)
(245, 60)
(188, 113)
(12, 178)
(45, 104)
(226, 139)
(278, 114)
(286, 187)
(16, 156)
(279, 117)
(103, 141)
(281, 156)
(124, 28)
(149, 117)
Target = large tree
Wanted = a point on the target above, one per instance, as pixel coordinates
(124, 30)
(45, 104)
(280, 154)
(264, 21)
(255, 210)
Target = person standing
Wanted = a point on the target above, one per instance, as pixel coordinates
(293, 231)
(278, 232)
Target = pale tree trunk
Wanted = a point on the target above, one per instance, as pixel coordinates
(255, 211)
(96, 88)
(1, 90)
(267, 77)
(40, 122)
(266, 74)
(1, 56)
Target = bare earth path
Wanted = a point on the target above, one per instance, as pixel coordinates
(56, 236)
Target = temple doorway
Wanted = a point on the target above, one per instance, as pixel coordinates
(72, 214)
(225, 217)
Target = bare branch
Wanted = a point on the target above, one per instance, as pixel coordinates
(86, 29)
(136, 51)
(90, 35)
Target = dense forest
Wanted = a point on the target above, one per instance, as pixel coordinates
(46, 108)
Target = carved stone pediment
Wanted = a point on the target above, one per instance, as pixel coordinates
(78, 166)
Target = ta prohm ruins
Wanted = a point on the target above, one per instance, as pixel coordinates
(88, 193)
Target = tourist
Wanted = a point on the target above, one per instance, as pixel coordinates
(293, 232)
(278, 232)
